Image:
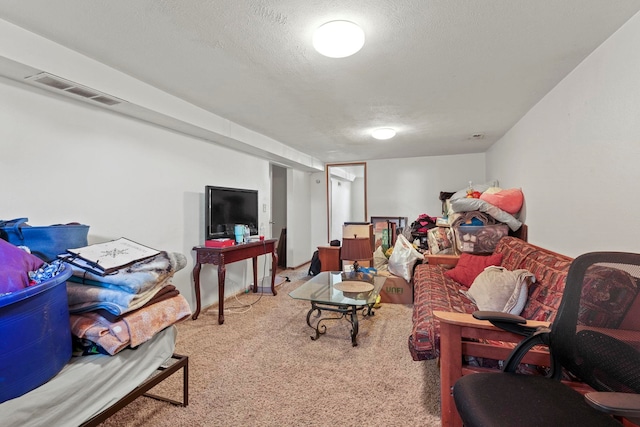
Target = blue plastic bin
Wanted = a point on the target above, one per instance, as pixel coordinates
(35, 336)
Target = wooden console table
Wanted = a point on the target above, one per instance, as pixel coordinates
(223, 256)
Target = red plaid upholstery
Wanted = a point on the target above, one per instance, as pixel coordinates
(433, 291)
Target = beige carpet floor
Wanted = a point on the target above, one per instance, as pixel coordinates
(260, 368)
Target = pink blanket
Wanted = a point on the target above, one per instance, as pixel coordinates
(132, 329)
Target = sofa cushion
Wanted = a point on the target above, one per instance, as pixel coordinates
(469, 266)
(433, 291)
(498, 289)
(631, 319)
(513, 252)
(607, 294)
(550, 270)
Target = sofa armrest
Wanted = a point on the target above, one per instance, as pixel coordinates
(625, 405)
(467, 319)
(457, 332)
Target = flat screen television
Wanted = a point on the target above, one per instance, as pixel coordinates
(226, 207)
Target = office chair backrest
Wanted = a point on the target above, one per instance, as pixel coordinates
(596, 335)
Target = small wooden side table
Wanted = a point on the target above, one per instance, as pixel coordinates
(222, 256)
(329, 258)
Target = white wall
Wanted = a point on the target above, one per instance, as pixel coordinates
(576, 154)
(64, 161)
(279, 201)
(410, 187)
(401, 187)
(122, 176)
(318, 211)
(298, 215)
(357, 200)
(341, 206)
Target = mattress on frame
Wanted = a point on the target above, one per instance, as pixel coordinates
(87, 385)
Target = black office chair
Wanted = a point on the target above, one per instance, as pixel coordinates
(595, 338)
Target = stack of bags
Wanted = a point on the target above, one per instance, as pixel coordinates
(125, 308)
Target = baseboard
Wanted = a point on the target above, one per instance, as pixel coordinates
(300, 266)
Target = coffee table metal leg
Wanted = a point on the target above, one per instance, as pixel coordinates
(320, 328)
(368, 310)
(354, 325)
(314, 307)
(350, 312)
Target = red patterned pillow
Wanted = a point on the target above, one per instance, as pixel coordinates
(469, 266)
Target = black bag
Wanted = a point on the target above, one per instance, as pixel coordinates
(315, 267)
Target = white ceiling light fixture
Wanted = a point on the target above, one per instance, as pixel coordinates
(338, 39)
(383, 133)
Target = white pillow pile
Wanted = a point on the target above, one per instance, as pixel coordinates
(498, 289)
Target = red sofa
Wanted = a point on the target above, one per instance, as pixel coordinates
(444, 328)
(433, 291)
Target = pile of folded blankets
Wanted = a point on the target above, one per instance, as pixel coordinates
(127, 307)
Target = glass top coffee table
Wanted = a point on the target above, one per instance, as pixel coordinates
(342, 293)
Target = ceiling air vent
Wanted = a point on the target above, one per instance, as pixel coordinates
(58, 84)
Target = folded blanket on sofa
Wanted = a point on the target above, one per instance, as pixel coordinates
(470, 204)
(112, 337)
(166, 292)
(145, 323)
(133, 328)
(83, 298)
(138, 277)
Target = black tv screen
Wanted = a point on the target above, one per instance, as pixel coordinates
(226, 207)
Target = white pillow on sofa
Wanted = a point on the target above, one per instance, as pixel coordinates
(498, 289)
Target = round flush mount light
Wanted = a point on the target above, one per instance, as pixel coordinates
(338, 39)
(383, 133)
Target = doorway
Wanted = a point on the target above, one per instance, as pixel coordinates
(278, 220)
(346, 196)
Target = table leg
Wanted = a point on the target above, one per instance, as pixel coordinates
(349, 312)
(222, 272)
(196, 285)
(354, 326)
(314, 307)
(255, 274)
(274, 269)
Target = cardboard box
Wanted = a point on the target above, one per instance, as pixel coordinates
(396, 290)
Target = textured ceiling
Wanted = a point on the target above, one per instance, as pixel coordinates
(439, 71)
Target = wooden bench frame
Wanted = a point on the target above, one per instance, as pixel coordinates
(456, 332)
(175, 363)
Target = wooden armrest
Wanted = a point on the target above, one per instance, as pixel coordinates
(467, 320)
(457, 334)
(620, 404)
